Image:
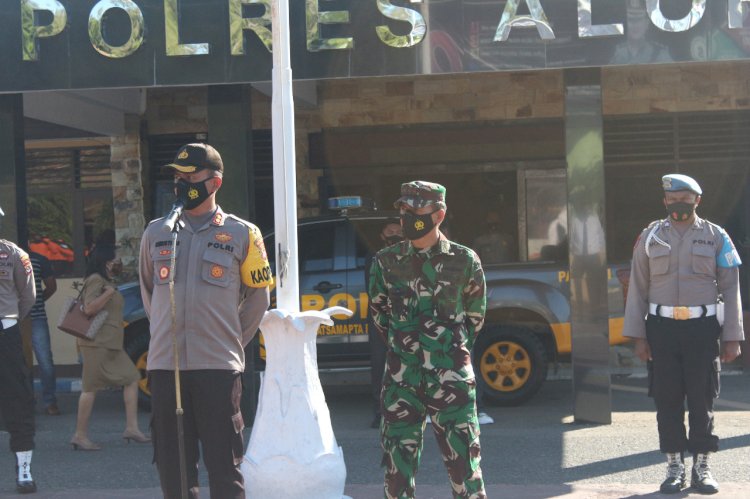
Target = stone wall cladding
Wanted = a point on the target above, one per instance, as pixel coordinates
(127, 195)
(721, 86)
(177, 110)
(440, 99)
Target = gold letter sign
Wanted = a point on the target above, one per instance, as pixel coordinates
(30, 32)
(315, 18)
(238, 24)
(172, 30)
(536, 17)
(418, 26)
(136, 28)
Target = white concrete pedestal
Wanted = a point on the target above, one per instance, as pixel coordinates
(292, 451)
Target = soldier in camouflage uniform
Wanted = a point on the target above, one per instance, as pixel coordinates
(427, 297)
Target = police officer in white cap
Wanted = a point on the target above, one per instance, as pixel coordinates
(681, 265)
(17, 296)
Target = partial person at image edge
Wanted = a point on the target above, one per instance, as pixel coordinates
(17, 296)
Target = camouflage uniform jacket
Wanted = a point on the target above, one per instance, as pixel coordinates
(428, 305)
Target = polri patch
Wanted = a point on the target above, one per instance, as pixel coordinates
(163, 272)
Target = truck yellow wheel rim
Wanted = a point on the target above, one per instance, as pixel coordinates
(505, 366)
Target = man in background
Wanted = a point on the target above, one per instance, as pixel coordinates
(46, 285)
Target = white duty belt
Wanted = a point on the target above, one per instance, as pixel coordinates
(8, 323)
(682, 313)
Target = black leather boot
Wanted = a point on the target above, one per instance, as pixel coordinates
(676, 480)
(702, 480)
(25, 486)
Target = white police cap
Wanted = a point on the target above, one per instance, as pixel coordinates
(677, 182)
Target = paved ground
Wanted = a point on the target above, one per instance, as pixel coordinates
(534, 451)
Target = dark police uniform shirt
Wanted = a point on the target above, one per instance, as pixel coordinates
(689, 270)
(17, 290)
(221, 286)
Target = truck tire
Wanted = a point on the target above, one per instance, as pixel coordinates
(510, 363)
(137, 337)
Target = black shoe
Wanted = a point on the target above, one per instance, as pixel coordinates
(375, 421)
(702, 480)
(26, 487)
(52, 410)
(673, 484)
(676, 479)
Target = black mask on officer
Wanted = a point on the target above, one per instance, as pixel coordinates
(416, 226)
(191, 194)
(680, 211)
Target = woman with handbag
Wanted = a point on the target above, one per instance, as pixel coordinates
(105, 363)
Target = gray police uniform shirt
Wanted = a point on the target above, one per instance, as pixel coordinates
(689, 270)
(17, 289)
(221, 288)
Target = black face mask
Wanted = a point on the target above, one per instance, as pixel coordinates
(416, 226)
(679, 212)
(192, 195)
(391, 240)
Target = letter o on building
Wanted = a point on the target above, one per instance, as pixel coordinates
(137, 28)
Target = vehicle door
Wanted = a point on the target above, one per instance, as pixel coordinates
(322, 278)
(364, 243)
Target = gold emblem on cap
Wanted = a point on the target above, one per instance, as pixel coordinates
(419, 225)
(183, 155)
(193, 193)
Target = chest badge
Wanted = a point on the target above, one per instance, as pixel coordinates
(223, 237)
(217, 272)
(163, 272)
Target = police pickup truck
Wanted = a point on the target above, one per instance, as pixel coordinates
(527, 324)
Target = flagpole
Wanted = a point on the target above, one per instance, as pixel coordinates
(284, 162)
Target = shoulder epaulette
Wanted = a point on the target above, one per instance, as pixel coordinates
(241, 221)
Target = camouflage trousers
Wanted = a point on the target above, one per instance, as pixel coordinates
(451, 406)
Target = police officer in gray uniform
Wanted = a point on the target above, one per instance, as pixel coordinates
(17, 296)
(680, 267)
(221, 290)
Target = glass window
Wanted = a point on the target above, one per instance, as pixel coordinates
(51, 229)
(70, 204)
(367, 238)
(547, 218)
(316, 247)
